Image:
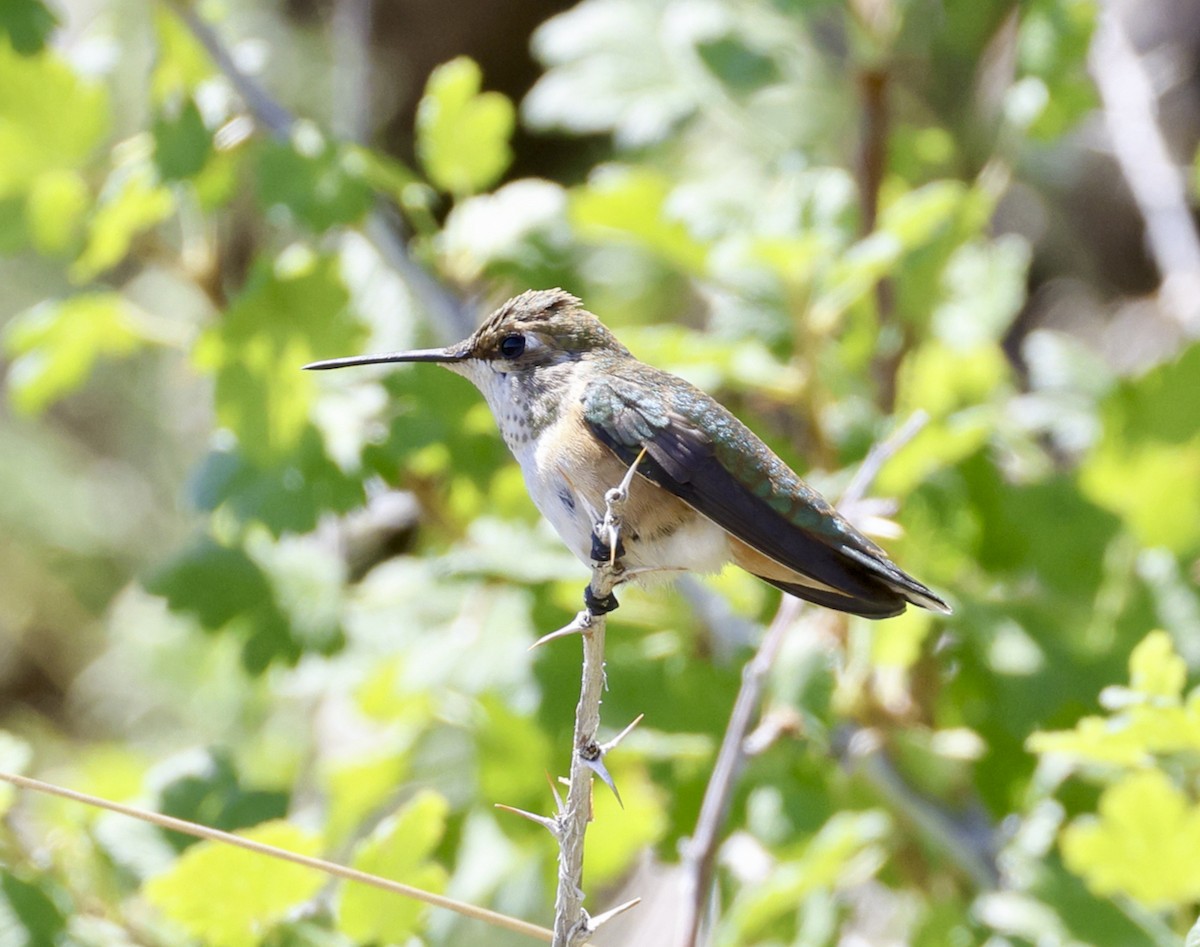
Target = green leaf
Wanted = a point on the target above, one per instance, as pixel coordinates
(319, 181)
(182, 62)
(1156, 669)
(54, 210)
(607, 71)
(627, 204)
(287, 494)
(211, 793)
(463, 134)
(846, 851)
(1150, 437)
(32, 912)
(133, 202)
(740, 68)
(55, 344)
(399, 848)
(228, 897)
(27, 23)
(182, 143)
(1143, 844)
(226, 589)
(292, 311)
(50, 118)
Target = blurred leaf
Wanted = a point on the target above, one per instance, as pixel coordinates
(740, 68)
(182, 143)
(50, 118)
(32, 912)
(131, 203)
(54, 210)
(293, 310)
(1150, 717)
(212, 795)
(182, 63)
(320, 182)
(1150, 437)
(1156, 669)
(463, 134)
(399, 848)
(55, 344)
(224, 588)
(285, 495)
(621, 832)
(15, 756)
(1052, 46)
(1143, 843)
(626, 204)
(607, 72)
(28, 24)
(252, 894)
(846, 851)
(502, 226)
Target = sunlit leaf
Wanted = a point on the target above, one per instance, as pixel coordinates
(253, 894)
(132, 203)
(55, 345)
(319, 181)
(623, 204)
(292, 311)
(463, 134)
(50, 118)
(399, 849)
(1150, 437)
(54, 210)
(1142, 844)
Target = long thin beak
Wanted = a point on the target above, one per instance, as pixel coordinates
(419, 355)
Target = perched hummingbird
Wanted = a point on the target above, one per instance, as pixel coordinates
(577, 409)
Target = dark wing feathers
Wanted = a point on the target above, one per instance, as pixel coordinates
(781, 517)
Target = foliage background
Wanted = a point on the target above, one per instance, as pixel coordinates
(238, 593)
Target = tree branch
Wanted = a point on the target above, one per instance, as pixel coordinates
(1130, 107)
(572, 924)
(699, 852)
(451, 318)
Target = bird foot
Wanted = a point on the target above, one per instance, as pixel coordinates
(599, 606)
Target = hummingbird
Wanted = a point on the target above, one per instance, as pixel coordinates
(577, 409)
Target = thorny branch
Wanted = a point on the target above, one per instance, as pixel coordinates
(573, 926)
(699, 853)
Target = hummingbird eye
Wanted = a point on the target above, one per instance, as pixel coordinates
(512, 346)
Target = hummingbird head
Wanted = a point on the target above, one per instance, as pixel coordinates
(538, 329)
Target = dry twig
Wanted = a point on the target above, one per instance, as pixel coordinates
(699, 853)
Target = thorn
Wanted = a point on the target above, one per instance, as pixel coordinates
(593, 756)
(612, 744)
(550, 825)
(558, 799)
(580, 624)
(594, 923)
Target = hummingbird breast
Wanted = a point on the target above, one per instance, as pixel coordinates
(568, 471)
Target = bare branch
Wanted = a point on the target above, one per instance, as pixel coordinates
(572, 926)
(1130, 107)
(699, 852)
(451, 318)
(330, 868)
